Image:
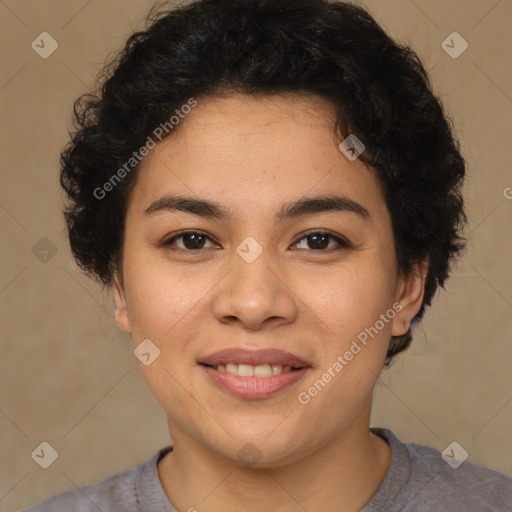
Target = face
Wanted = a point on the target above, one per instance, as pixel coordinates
(287, 269)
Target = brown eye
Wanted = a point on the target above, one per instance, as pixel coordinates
(191, 240)
(320, 241)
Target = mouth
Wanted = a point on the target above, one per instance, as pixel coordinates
(247, 370)
(253, 374)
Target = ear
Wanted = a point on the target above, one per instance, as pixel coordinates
(410, 296)
(121, 309)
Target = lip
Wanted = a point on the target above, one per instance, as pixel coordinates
(253, 357)
(253, 388)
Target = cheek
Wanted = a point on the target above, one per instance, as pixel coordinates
(347, 300)
(353, 347)
(160, 299)
(350, 302)
(162, 305)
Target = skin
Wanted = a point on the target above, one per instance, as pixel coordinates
(251, 155)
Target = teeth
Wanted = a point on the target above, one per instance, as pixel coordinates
(247, 370)
(232, 368)
(263, 370)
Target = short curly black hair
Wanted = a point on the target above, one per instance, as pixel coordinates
(380, 88)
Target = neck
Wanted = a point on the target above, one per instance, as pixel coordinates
(343, 474)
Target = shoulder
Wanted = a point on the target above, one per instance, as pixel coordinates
(428, 481)
(457, 482)
(116, 492)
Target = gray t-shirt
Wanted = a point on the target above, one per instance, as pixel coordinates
(417, 480)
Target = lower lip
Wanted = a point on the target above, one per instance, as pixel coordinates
(254, 387)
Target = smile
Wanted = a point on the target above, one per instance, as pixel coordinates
(248, 370)
(253, 374)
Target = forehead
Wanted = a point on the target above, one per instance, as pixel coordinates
(251, 152)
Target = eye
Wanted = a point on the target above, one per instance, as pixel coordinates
(319, 241)
(191, 240)
(316, 240)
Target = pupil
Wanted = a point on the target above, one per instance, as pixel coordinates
(321, 245)
(194, 238)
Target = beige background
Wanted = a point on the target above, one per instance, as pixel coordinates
(68, 375)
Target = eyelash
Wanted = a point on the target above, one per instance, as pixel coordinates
(343, 243)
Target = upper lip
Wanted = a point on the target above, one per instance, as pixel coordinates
(253, 357)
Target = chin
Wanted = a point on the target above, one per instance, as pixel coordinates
(262, 451)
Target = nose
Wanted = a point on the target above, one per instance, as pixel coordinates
(255, 295)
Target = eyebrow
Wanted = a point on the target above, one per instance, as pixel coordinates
(304, 206)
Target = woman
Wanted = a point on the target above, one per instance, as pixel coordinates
(273, 193)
